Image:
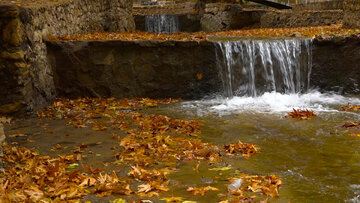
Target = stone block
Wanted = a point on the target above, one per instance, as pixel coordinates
(13, 33)
(9, 11)
(301, 18)
(19, 55)
(9, 109)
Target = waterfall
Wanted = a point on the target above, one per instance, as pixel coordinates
(251, 67)
(162, 23)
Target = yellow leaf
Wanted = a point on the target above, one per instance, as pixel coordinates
(144, 188)
(220, 169)
(119, 201)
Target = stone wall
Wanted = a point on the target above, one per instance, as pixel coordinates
(189, 70)
(153, 69)
(220, 16)
(352, 13)
(336, 64)
(301, 18)
(26, 77)
(321, 5)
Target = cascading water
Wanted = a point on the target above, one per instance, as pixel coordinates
(267, 76)
(162, 23)
(251, 67)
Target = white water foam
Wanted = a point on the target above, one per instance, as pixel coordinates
(274, 102)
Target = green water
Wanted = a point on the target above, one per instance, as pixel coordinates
(317, 160)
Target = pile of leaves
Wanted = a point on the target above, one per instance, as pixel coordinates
(253, 185)
(312, 31)
(130, 36)
(31, 176)
(118, 114)
(301, 114)
(147, 149)
(244, 148)
(350, 108)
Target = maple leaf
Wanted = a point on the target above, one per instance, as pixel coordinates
(34, 193)
(201, 191)
(88, 182)
(144, 188)
(301, 114)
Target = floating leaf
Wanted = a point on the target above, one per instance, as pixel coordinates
(301, 114)
(201, 191)
(352, 125)
(220, 169)
(350, 108)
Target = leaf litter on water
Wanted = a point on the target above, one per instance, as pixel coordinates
(152, 141)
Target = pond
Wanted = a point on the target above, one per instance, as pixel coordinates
(318, 160)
